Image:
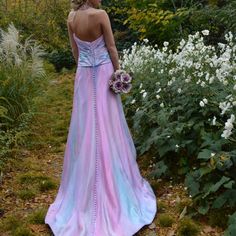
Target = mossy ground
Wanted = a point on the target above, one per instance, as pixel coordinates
(31, 178)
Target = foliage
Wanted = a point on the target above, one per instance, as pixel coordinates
(187, 227)
(38, 216)
(46, 22)
(118, 14)
(167, 20)
(232, 226)
(183, 110)
(165, 220)
(61, 59)
(21, 79)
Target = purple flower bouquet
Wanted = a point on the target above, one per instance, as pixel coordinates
(120, 81)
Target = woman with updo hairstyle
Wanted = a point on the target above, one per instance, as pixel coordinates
(76, 4)
(101, 192)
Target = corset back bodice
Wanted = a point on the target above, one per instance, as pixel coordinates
(92, 53)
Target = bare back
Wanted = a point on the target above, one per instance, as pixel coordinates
(90, 24)
(86, 24)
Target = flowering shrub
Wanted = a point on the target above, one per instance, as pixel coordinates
(185, 106)
(22, 75)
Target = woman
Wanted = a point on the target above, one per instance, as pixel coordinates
(101, 192)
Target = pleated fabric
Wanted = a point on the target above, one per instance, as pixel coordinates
(102, 192)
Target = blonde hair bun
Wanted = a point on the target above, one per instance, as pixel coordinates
(76, 4)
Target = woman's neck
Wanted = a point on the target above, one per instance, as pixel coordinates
(85, 6)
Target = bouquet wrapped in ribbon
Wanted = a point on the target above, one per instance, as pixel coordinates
(120, 81)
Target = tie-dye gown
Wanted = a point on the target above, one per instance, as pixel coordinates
(102, 192)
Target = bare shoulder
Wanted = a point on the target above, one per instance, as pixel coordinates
(99, 14)
(71, 15)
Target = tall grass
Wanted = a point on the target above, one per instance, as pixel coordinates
(21, 78)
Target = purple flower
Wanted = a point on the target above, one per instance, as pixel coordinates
(117, 86)
(120, 81)
(126, 78)
(118, 77)
(126, 87)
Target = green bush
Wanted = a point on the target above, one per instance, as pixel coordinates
(22, 231)
(22, 77)
(38, 216)
(182, 110)
(232, 226)
(61, 59)
(187, 227)
(26, 194)
(166, 220)
(166, 20)
(46, 185)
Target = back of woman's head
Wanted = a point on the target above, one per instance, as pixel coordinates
(76, 4)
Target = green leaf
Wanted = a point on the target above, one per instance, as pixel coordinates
(205, 154)
(203, 208)
(229, 184)
(220, 200)
(192, 184)
(160, 168)
(204, 170)
(231, 230)
(216, 186)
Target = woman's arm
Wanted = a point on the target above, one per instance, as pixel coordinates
(109, 39)
(73, 45)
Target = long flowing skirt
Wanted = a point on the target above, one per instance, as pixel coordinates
(102, 192)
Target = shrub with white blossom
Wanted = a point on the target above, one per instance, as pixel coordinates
(22, 76)
(183, 110)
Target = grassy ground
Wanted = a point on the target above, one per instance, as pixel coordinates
(31, 179)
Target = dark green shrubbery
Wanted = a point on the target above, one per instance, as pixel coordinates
(182, 110)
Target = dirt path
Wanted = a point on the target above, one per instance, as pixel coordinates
(31, 179)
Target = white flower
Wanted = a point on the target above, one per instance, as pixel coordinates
(137, 109)
(212, 154)
(152, 70)
(158, 96)
(211, 80)
(202, 104)
(159, 90)
(141, 85)
(197, 65)
(226, 133)
(133, 101)
(142, 91)
(203, 84)
(144, 94)
(225, 82)
(145, 40)
(224, 106)
(162, 104)
(166, 44)
(176, 145)
(214, 121)
(205, 32)
(228, 127)
(235, 87)
(205, 100)
(179, 90)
